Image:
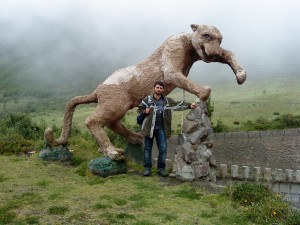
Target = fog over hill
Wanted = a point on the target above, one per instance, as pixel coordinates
(51, 46)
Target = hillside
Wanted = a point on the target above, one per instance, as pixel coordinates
(233, 104)
(256, 98)
(45, 97)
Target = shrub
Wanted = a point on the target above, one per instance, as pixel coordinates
(261, 205)
(210, 108)
(18, 134)
(288, 121)
(281, 122)
(20, 124)
(248, 193)
(220, 127)
(15, 144)
(259, 124)
(294, 218)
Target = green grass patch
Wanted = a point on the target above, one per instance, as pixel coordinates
(32, 220)
(3, 178)
(58, 210)
(54, 192)
(166, 217)
(43, 183)
(78, 217)
(100, 206)
(6, 216)
(189, 193)
(120, 201)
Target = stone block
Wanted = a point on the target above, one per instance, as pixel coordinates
(223, 171)
(297, 175)
(186, 173)
(285, 188)
(267, 174)
(289, 175)
(234, 171)
(295, 188)
(278, 174)
(294, 198)
(246, 171)
(256, 173)
(275, 187)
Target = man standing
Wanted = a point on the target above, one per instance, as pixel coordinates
(157, 112)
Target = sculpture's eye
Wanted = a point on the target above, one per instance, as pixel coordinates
(206, 36)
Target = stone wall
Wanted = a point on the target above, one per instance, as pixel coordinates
(273, 148)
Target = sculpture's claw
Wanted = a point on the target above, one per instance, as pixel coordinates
(241, 76)
(205, 93)
(116, 154)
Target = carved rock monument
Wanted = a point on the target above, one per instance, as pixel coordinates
(126, 87)
(194, 159)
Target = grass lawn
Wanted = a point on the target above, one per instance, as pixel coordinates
(36, 192)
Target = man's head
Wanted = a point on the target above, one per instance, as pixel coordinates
(158, 87)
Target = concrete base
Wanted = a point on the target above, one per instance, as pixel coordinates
(135, 153)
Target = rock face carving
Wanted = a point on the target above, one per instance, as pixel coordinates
(126, 87)
(193, 158)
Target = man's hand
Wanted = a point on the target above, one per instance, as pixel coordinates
(193, 105)
(147, 110)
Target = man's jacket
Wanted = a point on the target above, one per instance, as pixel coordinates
(149, 121)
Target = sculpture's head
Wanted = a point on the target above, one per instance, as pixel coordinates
(206, 40)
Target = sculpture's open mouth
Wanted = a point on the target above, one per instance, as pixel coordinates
(205, 57)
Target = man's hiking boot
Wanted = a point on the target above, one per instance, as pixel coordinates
(147, 172)
(162, 172)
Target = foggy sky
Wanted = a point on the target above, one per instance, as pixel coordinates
(56, 38)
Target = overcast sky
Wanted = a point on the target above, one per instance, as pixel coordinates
(264, 35)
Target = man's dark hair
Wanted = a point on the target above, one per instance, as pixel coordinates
(160, 83)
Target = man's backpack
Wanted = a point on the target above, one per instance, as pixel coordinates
(140, 119)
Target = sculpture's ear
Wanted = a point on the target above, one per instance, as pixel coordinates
(194, 27)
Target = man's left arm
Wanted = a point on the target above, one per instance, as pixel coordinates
(181, 105)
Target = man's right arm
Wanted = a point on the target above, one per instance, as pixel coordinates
(143, 106)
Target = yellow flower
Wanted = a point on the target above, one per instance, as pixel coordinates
(274, 213)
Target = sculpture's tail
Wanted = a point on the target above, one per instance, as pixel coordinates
(63, 139)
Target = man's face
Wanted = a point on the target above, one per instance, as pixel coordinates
(158, 89)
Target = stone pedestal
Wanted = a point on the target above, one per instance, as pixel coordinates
(55, 154)
(105, 166)
(194, 158)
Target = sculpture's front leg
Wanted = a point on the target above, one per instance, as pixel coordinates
(179, 80)
(227, 57)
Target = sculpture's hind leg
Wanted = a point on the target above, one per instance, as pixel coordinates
(96, 123)
(132, 137)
